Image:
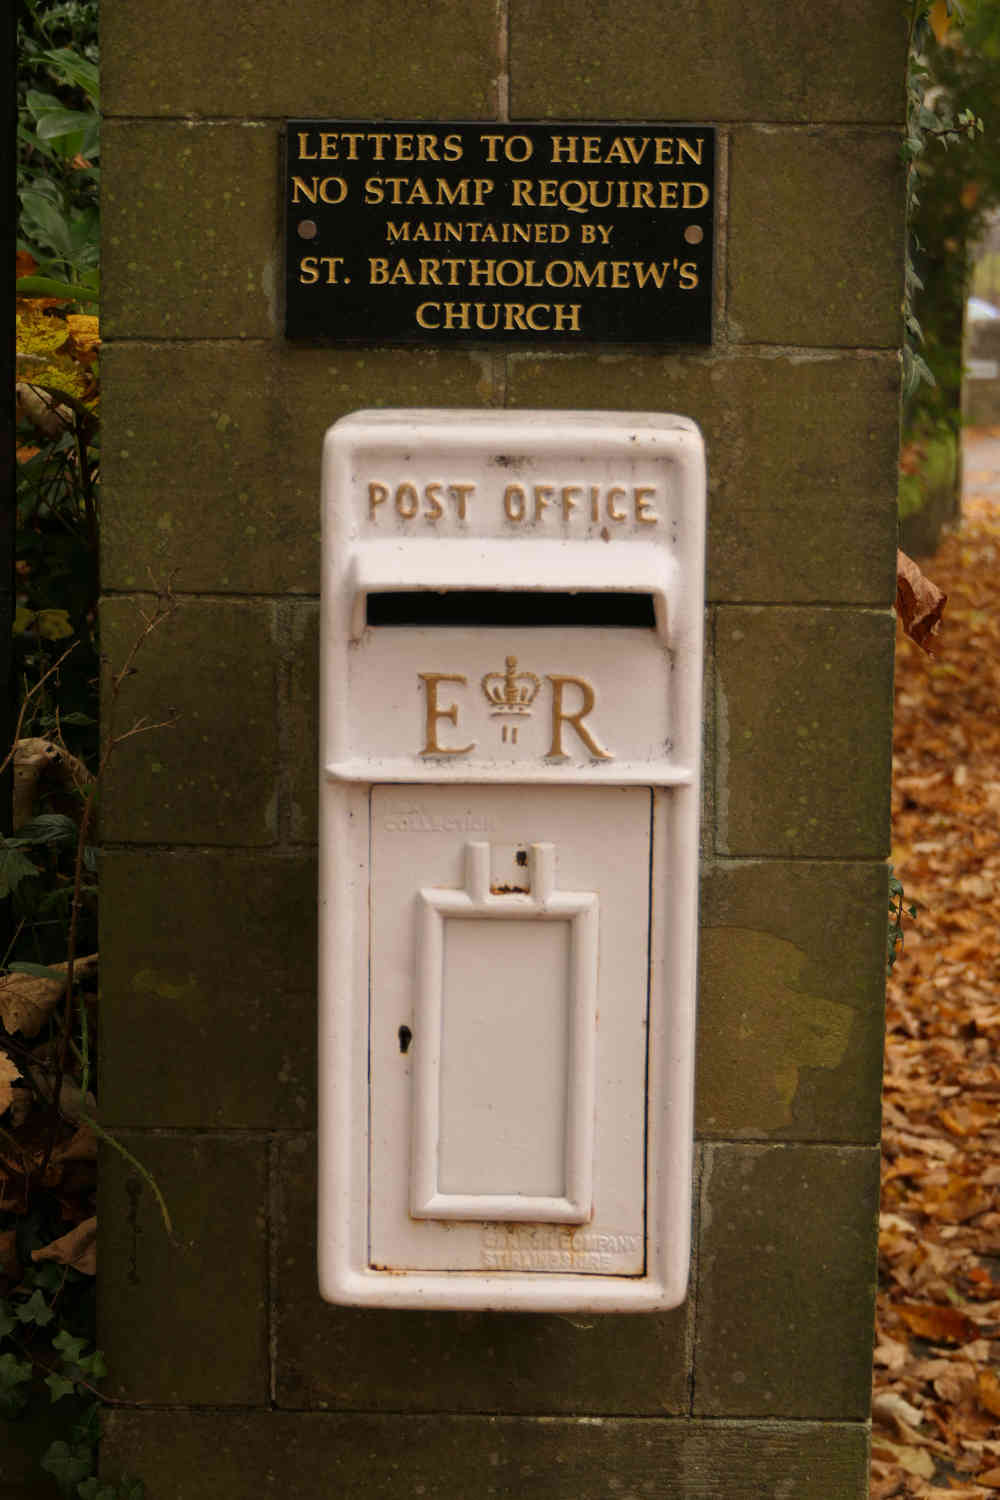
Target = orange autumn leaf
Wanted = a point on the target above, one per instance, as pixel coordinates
(919, 602)
(988, 1391)
(937, 1324)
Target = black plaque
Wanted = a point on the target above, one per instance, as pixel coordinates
(416, 232)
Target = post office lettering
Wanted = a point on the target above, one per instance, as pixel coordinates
(407, 500)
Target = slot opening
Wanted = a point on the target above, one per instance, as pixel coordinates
(520, 609)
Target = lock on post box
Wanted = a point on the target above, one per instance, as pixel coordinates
(510, 741)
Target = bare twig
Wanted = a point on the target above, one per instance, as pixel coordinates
(27, 699)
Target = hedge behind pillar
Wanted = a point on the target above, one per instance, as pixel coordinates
(245, 1382)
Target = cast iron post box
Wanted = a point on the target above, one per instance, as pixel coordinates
(510, 743)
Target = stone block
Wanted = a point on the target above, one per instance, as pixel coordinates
(302, 721)
(262, 57)
(802, 456)
(815, 236)
(212, 777)
(706, 60)
(230, 1455)
(178, 411)
(216, 954)
(185, 1320)
(804, 720)
(792, 963)
(190, 228)
(786, 1282)
(247, 419)
(362, 1358)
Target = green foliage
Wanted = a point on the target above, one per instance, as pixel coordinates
(58, 138)
(953, 182)
(47, 1308)
(897, 908)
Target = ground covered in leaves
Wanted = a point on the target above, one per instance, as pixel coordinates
(936, 1404)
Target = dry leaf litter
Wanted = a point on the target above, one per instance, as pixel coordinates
(936, 1402)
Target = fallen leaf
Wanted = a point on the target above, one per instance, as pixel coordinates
(919, 602)
(891, 1404)
(38, 762)
(27, 1002)
(8, 1073)
(988, 1391)
(937, 1324)
(78, 1248)
(891, 1353)
(82, 1146)
(913, 1460)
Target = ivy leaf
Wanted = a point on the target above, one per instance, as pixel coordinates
(14, 868)
(35, 1310)
(68, 1465)
(93, 1365)
(48, 1276)
(47, 828)
(88, 1428)
(13, 1374)
(59, 1386)
(68, 1348)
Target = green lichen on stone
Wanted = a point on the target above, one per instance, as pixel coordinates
(774, 1029)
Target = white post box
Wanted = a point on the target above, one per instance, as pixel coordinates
(510, 744)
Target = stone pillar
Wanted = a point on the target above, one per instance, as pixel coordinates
(246, 1382)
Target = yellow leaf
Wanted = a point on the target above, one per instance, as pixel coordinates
(8, 1072)
(83, 329)
(940, 19)
(50, 624)
(53, 624)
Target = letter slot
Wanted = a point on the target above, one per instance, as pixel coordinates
(510, 756)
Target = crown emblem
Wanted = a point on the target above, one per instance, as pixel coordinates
(510, 691)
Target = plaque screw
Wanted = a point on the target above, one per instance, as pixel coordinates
(694, 234)
(307, 229)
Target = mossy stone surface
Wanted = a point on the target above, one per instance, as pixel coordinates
(190, 245)
(218, 951)
(786, 1282)
(790, 1000)
(268, 58)
(213, 777)
(815, 237)
(706, 60)
(302, 721)
(803, 731)
(230, 1455)
(184, 1320)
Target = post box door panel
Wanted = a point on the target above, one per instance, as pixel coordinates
(509, 996)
